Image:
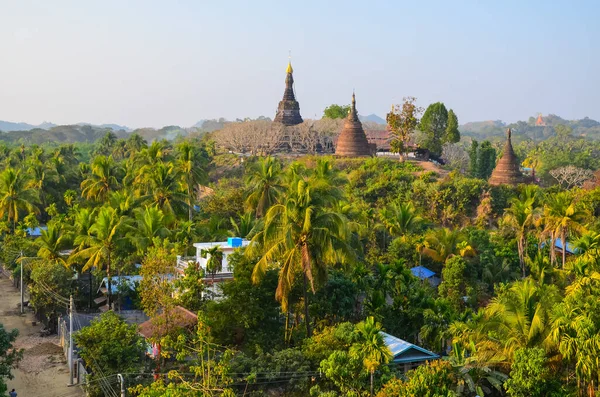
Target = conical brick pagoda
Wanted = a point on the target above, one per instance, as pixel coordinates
(288, 111)
(352, 141)
(507, 171)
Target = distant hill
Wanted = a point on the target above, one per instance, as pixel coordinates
(58, 134)
(495, 130)
(373, 118)
(10, 126)
(114, 127)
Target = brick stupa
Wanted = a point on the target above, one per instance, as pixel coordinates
(352, 141)
(288, 111)
(507, 171)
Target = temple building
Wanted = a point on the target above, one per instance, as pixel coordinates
(507, 171)
(540, 121)
(352, 141)
(288, 111)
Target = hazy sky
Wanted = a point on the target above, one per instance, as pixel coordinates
(155, 63)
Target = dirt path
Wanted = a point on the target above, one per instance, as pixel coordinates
(43, 372)
(429, 166)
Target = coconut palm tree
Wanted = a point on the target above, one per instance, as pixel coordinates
(520, 217)
(401, 219)
(51, 242)
(103, 179)
(247, 225)
(442, 243)
(563, 218)
(214, 264)
(163, 189)
(150, 223)
(264, 180)
(101, 244)
(17, 194)
(588, 246)
(370, 346)
(192, 172)
(300, 235)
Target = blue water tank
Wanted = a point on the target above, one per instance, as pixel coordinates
(234, 242)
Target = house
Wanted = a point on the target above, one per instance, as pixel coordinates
(116, 282)
(570, 249)
(226, 272)
(406, 355)
(176, 319)
(35, 231)
(423, 274)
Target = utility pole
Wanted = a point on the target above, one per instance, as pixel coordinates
(22, 303)
(71, 340)
(122, 382)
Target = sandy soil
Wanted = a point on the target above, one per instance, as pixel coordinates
(43, 372)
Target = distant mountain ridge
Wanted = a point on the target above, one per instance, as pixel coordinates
(372, 118)
(8, 126)
(495, 130)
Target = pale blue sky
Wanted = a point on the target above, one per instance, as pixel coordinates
(155, 63)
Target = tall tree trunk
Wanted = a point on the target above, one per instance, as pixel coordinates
(190, 209)
(306, 315)
(521, 248)
(372, 383)
(108, 292)
(563, 237)
(91, 283)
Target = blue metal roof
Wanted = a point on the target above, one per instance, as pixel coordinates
(36, 231)
(405, 352)
(422, 272)
(570, 248)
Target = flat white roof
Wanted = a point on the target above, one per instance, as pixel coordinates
(223, 244)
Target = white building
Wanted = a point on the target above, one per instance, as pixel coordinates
(226, 273)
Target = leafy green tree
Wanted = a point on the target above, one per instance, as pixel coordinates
(109, 346)
(402, 122)
(529, 375)
(434, 124)
(336, 111)
(452, 132)
(9, 357)
(47, 280)
(434, 379)
(473, 159)
(453, 286)
(191, 287)
(486, 160)
(17, 195)
(401, 219)
(150, 223)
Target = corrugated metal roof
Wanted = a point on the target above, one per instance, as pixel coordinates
(404, 352)
(422, 272)
(36, 231)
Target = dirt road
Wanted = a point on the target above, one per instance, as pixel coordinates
(43, 372)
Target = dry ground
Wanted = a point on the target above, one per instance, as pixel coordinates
(43, 372)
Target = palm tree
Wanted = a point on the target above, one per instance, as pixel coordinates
(401, 219)
(163, 188)
(214, 264)
(442, 243)
(247, 225)
(191, 171)
(520, 217)
(588, 246)
(300, 235)
(17, 194)
(104, 235)
(150, 223)
(518, 317)
(563, 217)
(51, 242)
(264, 179)
(102, 180)
(371, 346)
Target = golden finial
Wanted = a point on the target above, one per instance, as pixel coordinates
(289, 66)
